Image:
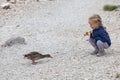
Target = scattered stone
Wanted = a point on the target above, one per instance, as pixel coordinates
(13, 2)
(5, 6)
(118, 8)
(37, 0)
(13, 41)
(17, 25)
(8, 0)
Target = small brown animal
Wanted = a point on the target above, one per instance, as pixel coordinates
(35, 56)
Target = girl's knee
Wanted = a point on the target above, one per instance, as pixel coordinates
(99, 43)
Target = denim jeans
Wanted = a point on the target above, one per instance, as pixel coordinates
(99, 44)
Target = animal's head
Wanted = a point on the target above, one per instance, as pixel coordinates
(26, 56)
(48, 55)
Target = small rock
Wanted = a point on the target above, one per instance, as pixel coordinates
(5, 6)
(13, 41)
(17, 25)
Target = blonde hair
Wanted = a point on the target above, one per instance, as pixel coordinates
(96, 18)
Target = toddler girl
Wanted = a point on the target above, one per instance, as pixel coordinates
(99, 37)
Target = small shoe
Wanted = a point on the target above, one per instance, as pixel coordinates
(99, 54)
(94, 52)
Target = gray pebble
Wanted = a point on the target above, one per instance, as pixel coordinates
(13, 41)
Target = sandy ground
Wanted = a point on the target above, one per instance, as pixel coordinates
(57, 27)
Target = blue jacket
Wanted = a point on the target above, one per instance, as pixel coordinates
(101, 34)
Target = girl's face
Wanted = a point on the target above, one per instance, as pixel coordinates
(93, 24)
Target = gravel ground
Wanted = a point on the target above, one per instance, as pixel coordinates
(56, 27)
